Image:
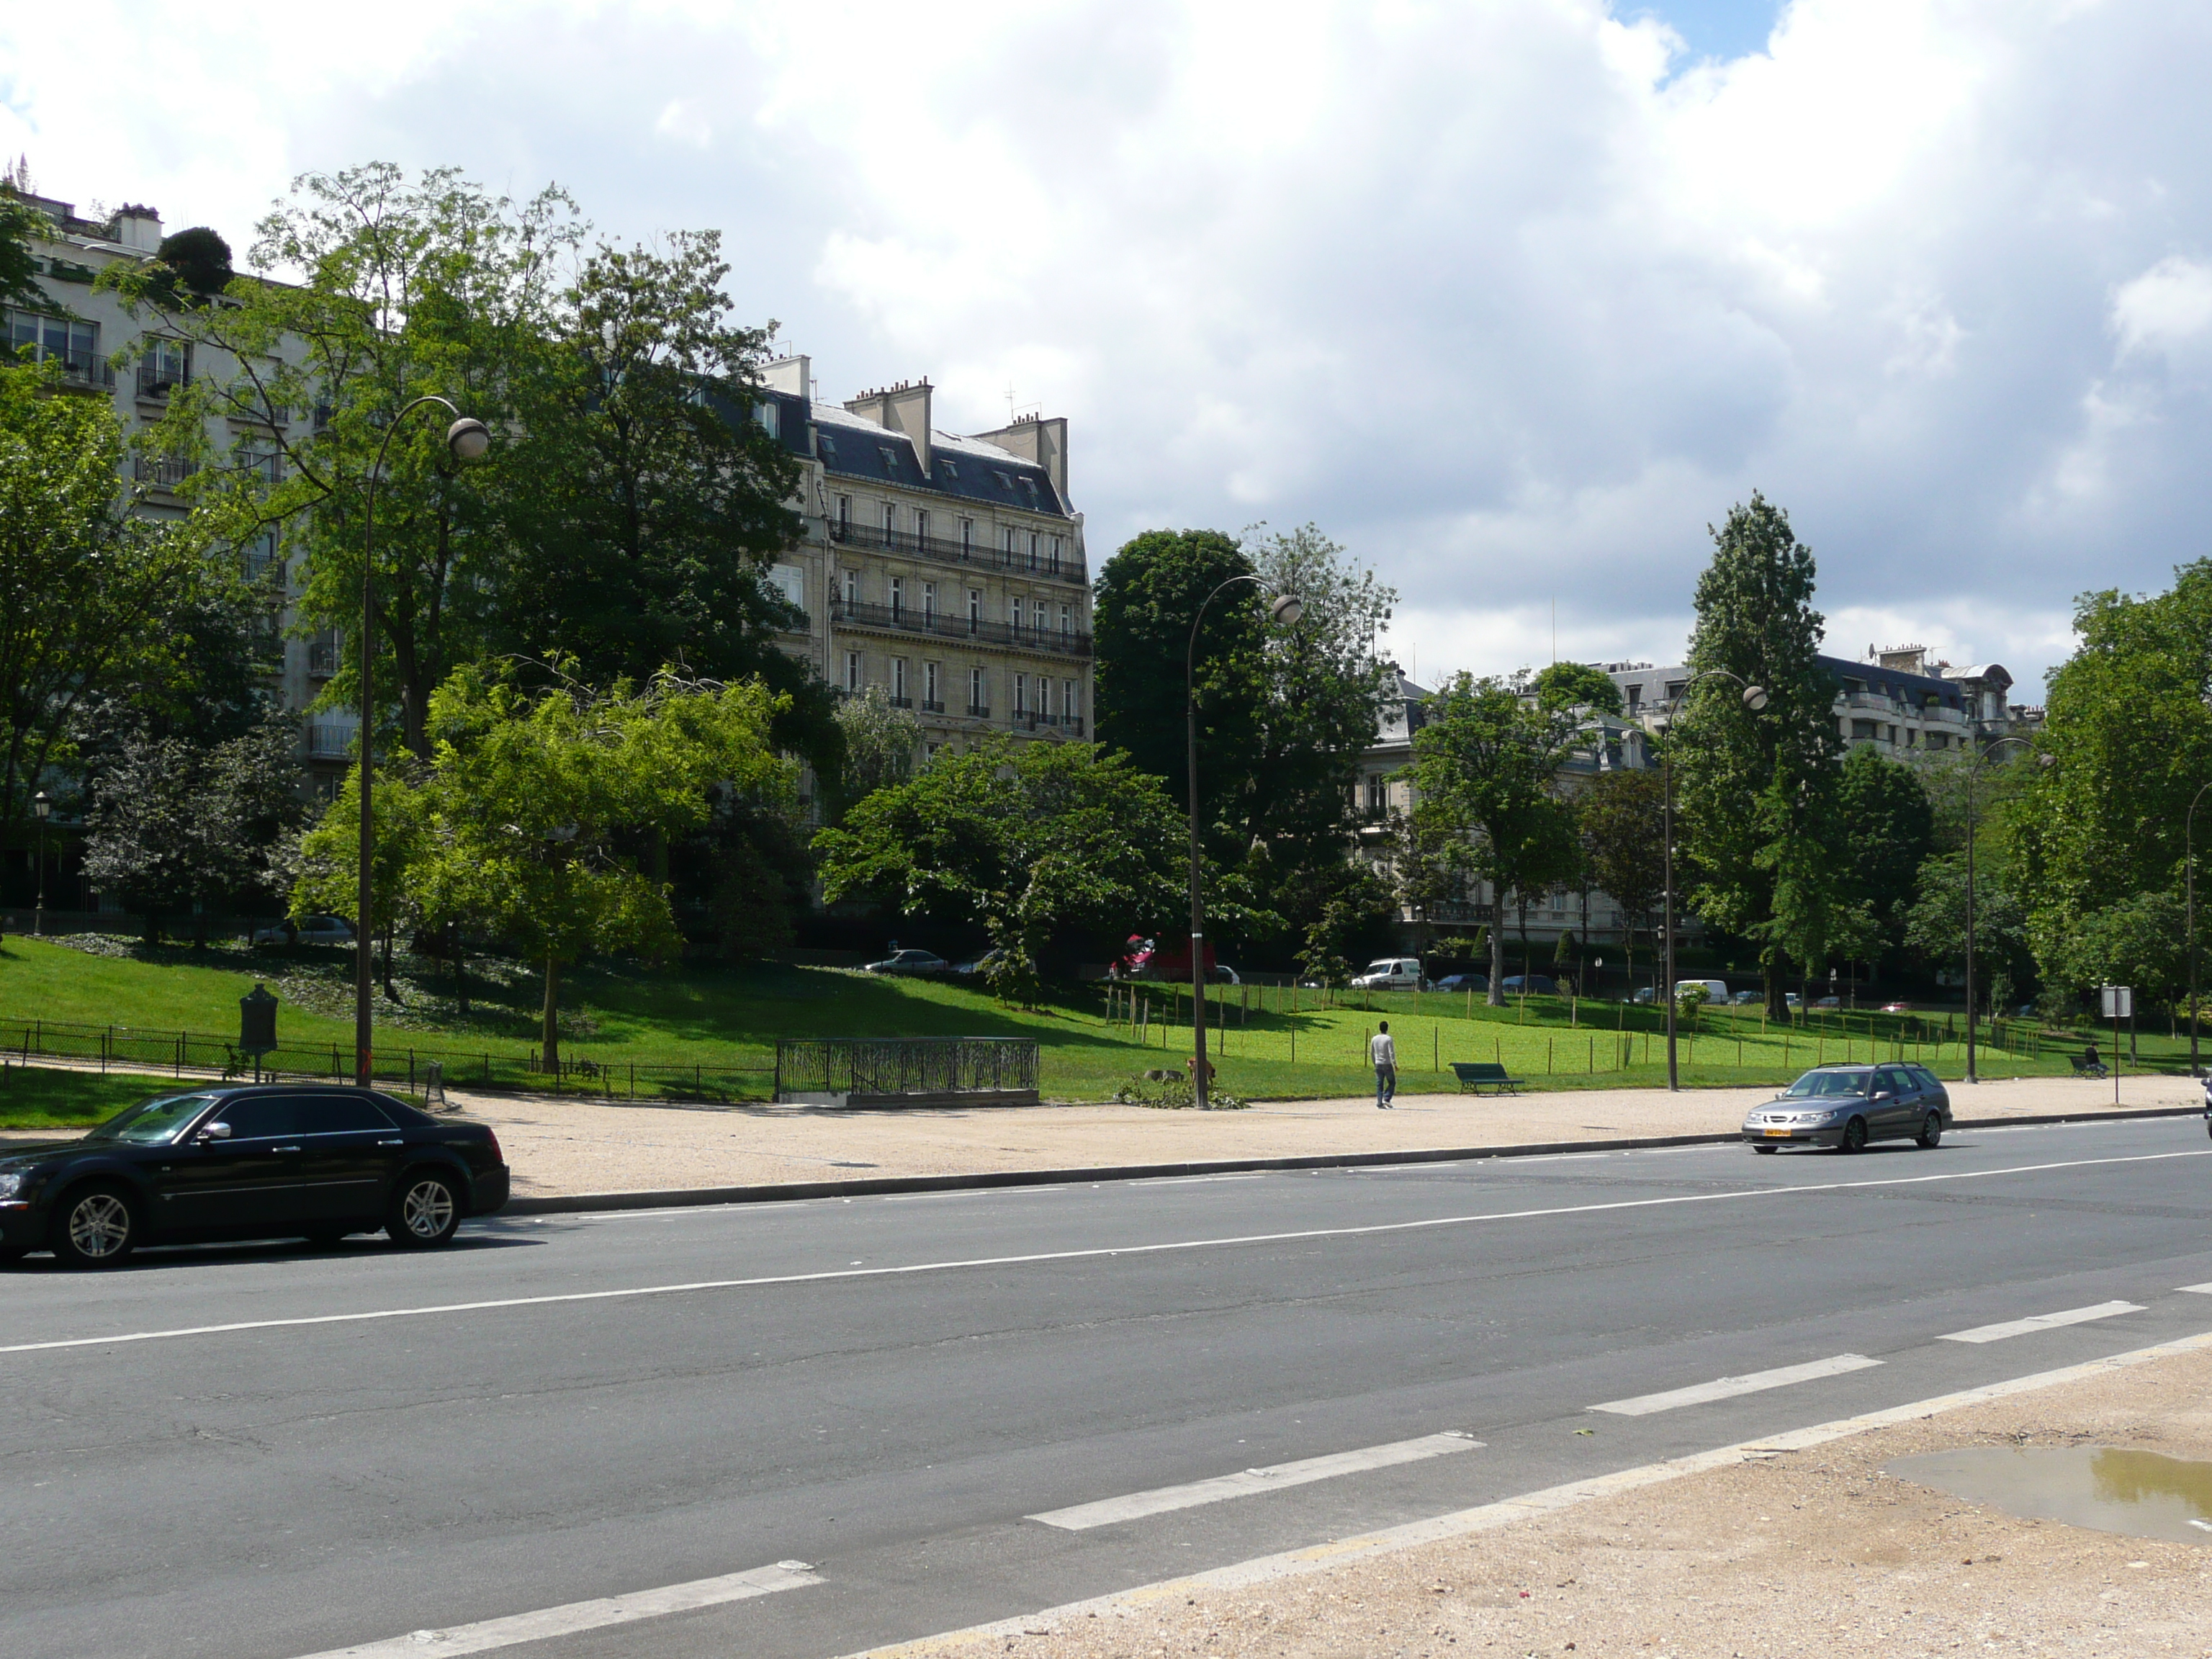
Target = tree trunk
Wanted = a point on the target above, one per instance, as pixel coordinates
(390, 995)
(1495, 997)
(549, 1038)
(461, 976)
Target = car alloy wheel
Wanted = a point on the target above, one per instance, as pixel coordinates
(1931, 1132)
(1854, 1137)
(96, 1229)
(425, 1212)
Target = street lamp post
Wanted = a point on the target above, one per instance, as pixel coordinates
(41, 804)
(1755, 699)
(466, 439)
(1286, 610)
(2189, 868)
(1973, 775)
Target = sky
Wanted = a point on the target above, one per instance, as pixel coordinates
(1514, 299)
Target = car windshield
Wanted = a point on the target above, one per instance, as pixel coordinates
(152, 1122)
(1816, 1084)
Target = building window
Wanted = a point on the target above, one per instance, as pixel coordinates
(974, 608)
(167, 363)
(976, 704)
(898, 681)
(1021, 694)
(921, 524)
(928, 600)
(844, 512)
(1034, 540)
(1378, 795)
(952, 467)
(929, 687)
(1055, 554)
(1010, 545)
(967, 536)
(75, 345)
(898, 598)
(1038, 613)
(890, 522)
(852, 587)
(1066, 618)
(852, 672)
(1070, 704)
(767, 416)
(1014, 614)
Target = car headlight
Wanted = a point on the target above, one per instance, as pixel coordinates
(11, 1184)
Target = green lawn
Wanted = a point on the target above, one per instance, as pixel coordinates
(35, 1097)
(726, 1019)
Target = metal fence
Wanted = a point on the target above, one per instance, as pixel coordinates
(903, 1065)
(202, 1056)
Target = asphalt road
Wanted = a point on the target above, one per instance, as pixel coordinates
(885, 1389)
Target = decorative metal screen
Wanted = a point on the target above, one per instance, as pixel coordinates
(902, 1065)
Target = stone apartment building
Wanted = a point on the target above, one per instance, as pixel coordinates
(947, 571)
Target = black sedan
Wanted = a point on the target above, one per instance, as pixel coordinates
(312, 1161)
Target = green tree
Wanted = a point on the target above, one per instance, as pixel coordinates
(21, 224)
(2141, 941)
(1619, 813)
(1577, 685)
(881, 744)
(177, 827)
(2128, 737)
(1485, 769)
(1888, 832)
(1033, 839)
(527, 819)
(1757, 792)
(88, 586)
(1356, 910)
(647, 503)
(1936, 925)
(404, 288)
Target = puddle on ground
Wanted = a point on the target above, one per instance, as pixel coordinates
(2143, 1494)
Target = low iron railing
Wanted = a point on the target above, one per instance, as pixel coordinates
(903, 1065)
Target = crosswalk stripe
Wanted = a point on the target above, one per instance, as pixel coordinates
(574, 1616)
(1728, 1388)
(2040, 1322)
(1134, 1505)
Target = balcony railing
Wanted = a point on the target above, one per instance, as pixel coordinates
(329, 742)
(979, 711)
(977, 556)
(322, 659)
(854, 613)
(930, 707)
(900, 703)
(162, 471)
(1063, 722)
(86, 370)
(156, 379)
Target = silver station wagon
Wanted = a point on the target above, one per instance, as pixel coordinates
(1846, 1106)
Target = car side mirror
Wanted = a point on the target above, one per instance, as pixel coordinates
(216, 1132)
(1882, 1094)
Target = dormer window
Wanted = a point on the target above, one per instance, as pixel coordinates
(829, 446)
(890, 458)
(952, 467)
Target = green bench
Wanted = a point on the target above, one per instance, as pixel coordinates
(1480, 1074)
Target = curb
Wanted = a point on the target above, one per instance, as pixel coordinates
(686, 1197)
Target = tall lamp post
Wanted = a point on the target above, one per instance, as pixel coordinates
(2189, 867)
(1755, 699)
(41, 804)
(1973, 775)
(466, 439)
(1286, 610)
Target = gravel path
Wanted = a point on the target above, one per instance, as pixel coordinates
(1814, 1552)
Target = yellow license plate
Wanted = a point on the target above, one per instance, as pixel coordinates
(1785, 1133)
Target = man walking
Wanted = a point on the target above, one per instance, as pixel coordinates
(1382, 1049)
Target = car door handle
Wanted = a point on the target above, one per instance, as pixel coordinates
(283, 1149)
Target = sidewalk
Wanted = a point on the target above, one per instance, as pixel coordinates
(559, 1147)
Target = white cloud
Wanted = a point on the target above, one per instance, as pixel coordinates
(1513, 298)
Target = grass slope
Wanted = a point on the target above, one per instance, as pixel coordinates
(620, 1016)
(36, 1098)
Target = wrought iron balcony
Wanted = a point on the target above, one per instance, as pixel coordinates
(901, 619)
(974, 555)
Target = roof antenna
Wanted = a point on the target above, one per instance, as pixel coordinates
(1009, 403)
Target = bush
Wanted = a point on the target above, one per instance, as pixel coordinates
(1171, 1091)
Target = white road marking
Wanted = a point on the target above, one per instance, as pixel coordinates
(1096, 1253)
(2040, 1322)
(1136, 1506)
(1529, 1506)
(491, 1633)
(2196, 1289)
(1728, 1388)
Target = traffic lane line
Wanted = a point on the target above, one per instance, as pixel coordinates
(1104, 1252)
(1728, 1388)
(1133, 1506)
(2035, 1322)
(1529, 1506)
(574, 1616)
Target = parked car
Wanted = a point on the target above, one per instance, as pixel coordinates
(1223, 974)
(306, 929)
(980, 965)
(1644, 994)
(908, 962)
(1716, 990)
(1743, 998)
(1534, 984)
(1391, 974)
(1792, 1000)
(1829, 1002)
(314, 1161)
(1847, 1106)
(1464, 982)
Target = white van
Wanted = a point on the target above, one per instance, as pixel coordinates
(1391, 974)
(1716, 990)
